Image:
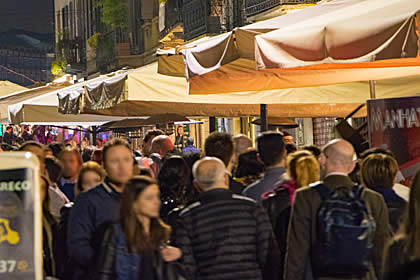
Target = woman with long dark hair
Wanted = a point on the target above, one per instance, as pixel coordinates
(173, 178)
(135, 247)
(405, 246)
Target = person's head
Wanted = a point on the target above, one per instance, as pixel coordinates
(9, 129)
(54, 168)
(271, 148)
(36, 149)
(288, 138)
(338, 156)
(316, 152)
(72, 161)
(249, 165)
(210, 173)
(219, 145)
(140, 201)
(173, 178)
(190, 141)
(118, 161)
(180, 130)
(303, 167)
(379, 170)
(241, 144)
(91, 175)
(376, 150)
(97, 156)
(147, 141)
(410, 228)
(144, 171)
(56, 148)
(162, 145)
(87, 153)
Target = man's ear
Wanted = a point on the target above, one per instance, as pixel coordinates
(197, 186)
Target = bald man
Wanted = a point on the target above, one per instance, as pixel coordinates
(337, 161)
(222, 235)
(161, 146)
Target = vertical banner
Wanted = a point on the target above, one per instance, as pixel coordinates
(395, 124)
(20, 218)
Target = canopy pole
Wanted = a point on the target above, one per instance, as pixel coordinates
(212, 121)
(263, 117)
(94, 133)
(372, 89)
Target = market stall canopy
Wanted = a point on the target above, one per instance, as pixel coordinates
(151, 93)
(7, 87)
(147, 121)
(21, 107)
(377, 39)
(280, 122)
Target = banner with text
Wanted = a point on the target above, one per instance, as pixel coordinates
(395, 124)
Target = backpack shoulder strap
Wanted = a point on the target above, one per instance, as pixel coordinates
(322, 189)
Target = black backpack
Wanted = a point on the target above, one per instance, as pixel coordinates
(346, 231)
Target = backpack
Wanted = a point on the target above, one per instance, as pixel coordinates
(278, 207)
(346, 231)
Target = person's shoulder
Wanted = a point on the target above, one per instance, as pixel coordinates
(371, 194)
(244, 199)
(189, 208)
(252, 186)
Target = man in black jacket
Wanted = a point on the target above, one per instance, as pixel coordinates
(94, 208)
(224, 236)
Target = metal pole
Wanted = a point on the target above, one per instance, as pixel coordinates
(372, 89)
(212, 121)
(263, 117)
(94, 132)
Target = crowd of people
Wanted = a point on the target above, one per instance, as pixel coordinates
(231, 211)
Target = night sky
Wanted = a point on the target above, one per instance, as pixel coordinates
(29, 15)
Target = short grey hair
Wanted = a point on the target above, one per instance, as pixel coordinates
(208, 172)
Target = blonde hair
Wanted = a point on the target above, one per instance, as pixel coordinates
(303, 168)
(86, 167)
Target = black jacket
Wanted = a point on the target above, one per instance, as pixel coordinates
(224, 236)
(91, 211)
(114, 261)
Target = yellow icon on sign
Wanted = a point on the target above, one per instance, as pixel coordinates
(7, 234)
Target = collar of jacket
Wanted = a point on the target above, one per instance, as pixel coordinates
(338, 179)
(388, 193)
(108, 187)
(215, 195)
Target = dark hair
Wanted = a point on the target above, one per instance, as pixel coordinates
(144, 171)
(30, 144)
(152, 133)
(285, 133)
(190, 141)
(314, 150)
(87, 154)
(249, 165)
(173, 178)
(371, 151)
(136, 238)
(54, 168)
(291, 148)
(379, 170)
(114, 143)
(219, 145)
(271, 147)
(9, 127)
(191, 193)
(56, 148)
